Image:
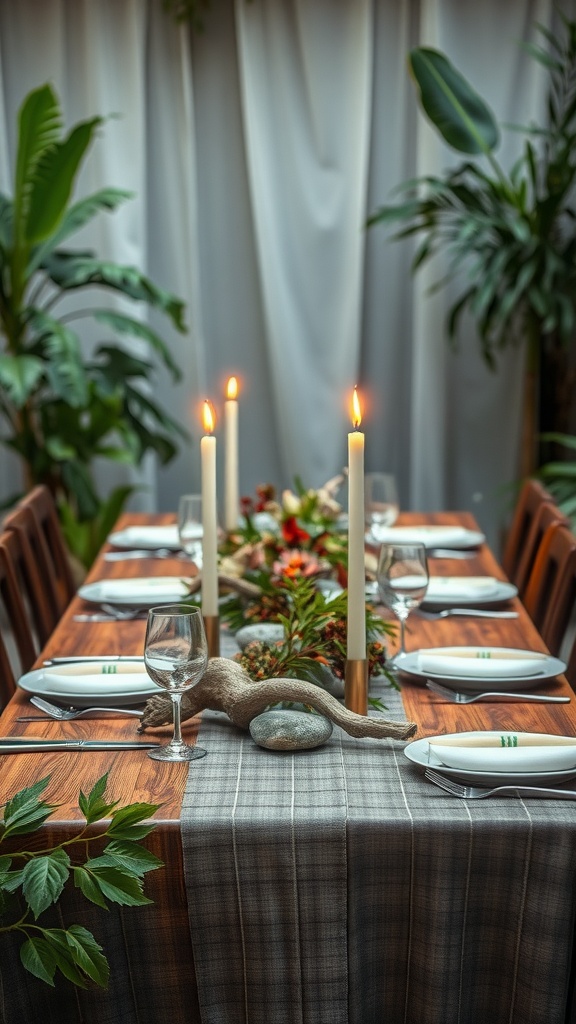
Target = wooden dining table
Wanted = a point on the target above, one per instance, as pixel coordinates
(150, 950)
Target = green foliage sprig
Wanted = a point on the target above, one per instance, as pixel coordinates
(314, 638)
(31, 880)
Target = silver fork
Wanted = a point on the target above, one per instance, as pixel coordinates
(67, 714)
(111, 614)
(120, 556)
(479, 613)
(468, 698)
(479, 792)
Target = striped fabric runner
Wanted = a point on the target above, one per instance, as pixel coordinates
(337, 886)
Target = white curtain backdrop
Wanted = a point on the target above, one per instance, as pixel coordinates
(255, 151)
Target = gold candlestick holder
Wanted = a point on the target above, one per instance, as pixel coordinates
(212, 627)
(356, 685)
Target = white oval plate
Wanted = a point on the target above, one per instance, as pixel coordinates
(458, 538)
(139, 592)
(551, 667)
(38, 682)
(484, 598)
(419, 752)
(148, 537)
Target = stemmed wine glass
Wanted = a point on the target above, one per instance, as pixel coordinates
(190, 525)
(381, 506)
(402, 577)
(175, 657)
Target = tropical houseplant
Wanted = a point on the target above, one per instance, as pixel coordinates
(62, 408)
(509, 237)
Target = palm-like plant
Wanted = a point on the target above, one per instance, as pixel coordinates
(512, 236)
(62, 409)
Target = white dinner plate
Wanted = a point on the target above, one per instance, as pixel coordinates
(419, 752)
(551, 667)
(475, 597)
(42, 682)
(455, 537)
(148, 537)
(139, 592)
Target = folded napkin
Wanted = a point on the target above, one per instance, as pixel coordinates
(506, 751)
(480, 662)
(98, 677)
(460, 588)
(431, 536)
(159, 536)
(159, 587)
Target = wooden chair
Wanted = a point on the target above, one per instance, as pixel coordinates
(551, 591)
(35, 519)
(37, 591)
(547, 515)
(18, 650)
(531, 496)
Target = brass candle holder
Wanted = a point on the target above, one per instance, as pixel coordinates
(212, 627)
(356, 685)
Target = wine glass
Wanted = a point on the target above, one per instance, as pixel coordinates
(190, 525)
(402, 576)
(175, 657)
(381, 506)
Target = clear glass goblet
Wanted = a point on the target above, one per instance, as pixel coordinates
(381, 505)
(190, 525)
(175, 656)
(402, 577)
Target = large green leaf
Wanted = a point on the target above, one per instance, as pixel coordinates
(19, 375)
(64, 370)
(455, 109)
(128, 325)
(78, 270)
(39, 126)
(75, 218)
(43, 879)
(52, 185)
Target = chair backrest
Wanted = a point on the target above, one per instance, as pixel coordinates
(36, 518)
(551, 591)
(18, 650)
(547, 514)
(35, 582)
(531, 496)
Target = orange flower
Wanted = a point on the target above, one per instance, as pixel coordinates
(294, 562)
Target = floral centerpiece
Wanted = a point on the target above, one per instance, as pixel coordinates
(300, 534)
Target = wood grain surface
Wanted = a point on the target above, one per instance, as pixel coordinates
(133, 776)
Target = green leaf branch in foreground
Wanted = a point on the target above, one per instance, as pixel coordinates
(107, 864)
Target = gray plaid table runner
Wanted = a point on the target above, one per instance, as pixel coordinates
(337, 885)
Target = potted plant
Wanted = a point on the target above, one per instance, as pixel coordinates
(62, 409)
(512, 234)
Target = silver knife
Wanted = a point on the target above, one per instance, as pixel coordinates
(70, 659)
(28, 745)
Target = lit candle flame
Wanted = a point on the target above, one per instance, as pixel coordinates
(356, 411)
(232, 389)
(208, 417)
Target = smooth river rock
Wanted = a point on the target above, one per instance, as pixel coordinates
(264, 633)
(290, 730)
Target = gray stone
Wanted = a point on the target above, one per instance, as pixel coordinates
(290, 730)
(263, 632)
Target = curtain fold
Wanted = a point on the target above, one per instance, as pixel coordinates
(255, 151)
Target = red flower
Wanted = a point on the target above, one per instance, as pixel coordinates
(293, 534)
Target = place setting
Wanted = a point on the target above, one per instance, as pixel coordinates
(494, 758)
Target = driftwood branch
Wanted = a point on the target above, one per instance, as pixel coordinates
(226, 687)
